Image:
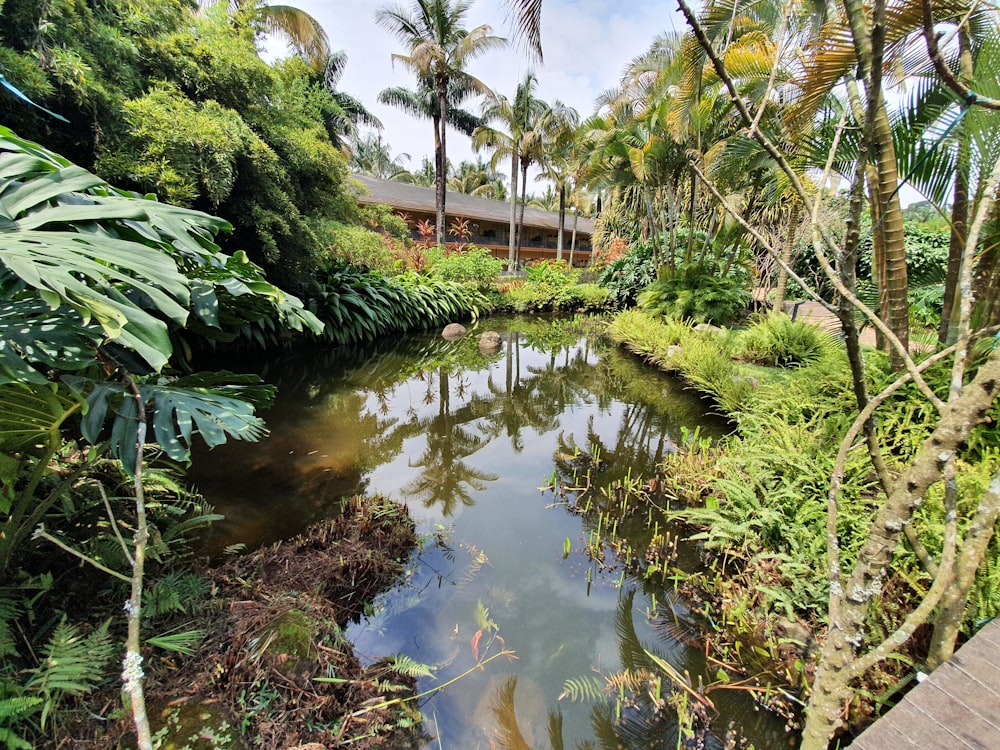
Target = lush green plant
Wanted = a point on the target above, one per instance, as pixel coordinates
(97, 284)
(552, 285)
(383, 218)
(627, 276)
(364, 248)
(696, 292)
(474, 265)
(185, 108)
(360, 306)
(587, 297)
(779, 341)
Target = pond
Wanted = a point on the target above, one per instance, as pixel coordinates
(511, 590)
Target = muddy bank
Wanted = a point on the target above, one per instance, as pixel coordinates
(273, 669)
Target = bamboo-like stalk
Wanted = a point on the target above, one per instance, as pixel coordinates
(132, 674)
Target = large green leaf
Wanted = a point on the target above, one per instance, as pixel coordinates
(217, 407)
(52, 339)
(32, 414)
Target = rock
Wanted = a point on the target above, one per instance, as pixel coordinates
(453, 332)
(673, 351)
(490, 342)
(708, 327)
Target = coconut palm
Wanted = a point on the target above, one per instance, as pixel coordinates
(561, 161)
(478, 179)
(303, 33)
(423, 103)
(439, 48)
(373, 156)
(504, 124)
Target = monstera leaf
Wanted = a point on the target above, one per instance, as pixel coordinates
(216, 406)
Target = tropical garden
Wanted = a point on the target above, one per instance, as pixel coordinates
(169, 198)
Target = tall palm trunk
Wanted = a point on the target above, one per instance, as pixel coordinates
(896, 282)
(524, 198)
(442, 165)
(512, 239)
(868, 38)
(562, 220)
(947, 333)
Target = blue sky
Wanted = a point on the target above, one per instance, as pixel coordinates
(587, 44)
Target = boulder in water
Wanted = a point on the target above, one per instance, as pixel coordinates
(453, 332)
(490, 342)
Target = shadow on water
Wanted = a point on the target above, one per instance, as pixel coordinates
(467, 440)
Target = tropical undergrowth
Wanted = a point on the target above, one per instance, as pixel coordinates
(358, 305)
(265, 662)
(756, 502)
(551, 285)
(702, 292)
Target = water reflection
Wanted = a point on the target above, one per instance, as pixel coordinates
(467, 440)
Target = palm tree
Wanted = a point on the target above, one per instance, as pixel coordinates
(373, 156)
(502, 130)
(423, 103)
(439, 49)
(304, 34)
(561, 161)
(478, 179)
(347, 113)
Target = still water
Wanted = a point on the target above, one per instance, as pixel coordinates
(503, 591)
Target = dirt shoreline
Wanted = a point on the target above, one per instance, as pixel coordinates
(273, 669)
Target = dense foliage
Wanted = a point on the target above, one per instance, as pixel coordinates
(553, 285)
(360, 306)
(98, 287)
(627, 276)
(699, 292)
(167, 98)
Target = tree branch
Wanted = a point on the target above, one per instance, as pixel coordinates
(968, 96)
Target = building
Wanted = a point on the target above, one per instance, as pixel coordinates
(488, 220)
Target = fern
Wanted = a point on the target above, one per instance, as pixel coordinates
(483, 620)
(588, 688)
(72, 664)
(410, 667)
(14, 710)
(174, 593)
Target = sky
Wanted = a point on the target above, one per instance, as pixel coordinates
(586, 46)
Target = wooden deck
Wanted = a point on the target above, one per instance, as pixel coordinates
(956, 708)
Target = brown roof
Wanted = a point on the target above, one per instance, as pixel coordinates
(402, 196)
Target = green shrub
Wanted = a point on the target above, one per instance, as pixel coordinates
(475, 266)
(381, 217)
(696, 292)
(627, 276)
(360, 306)
(588, 297)
(779, 341)
(553, 273)
(368, 250)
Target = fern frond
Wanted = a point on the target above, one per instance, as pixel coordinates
(588, 688)
(72, 664)
(410, 667)
(18, 706)
(12, 741)
(483, 620)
